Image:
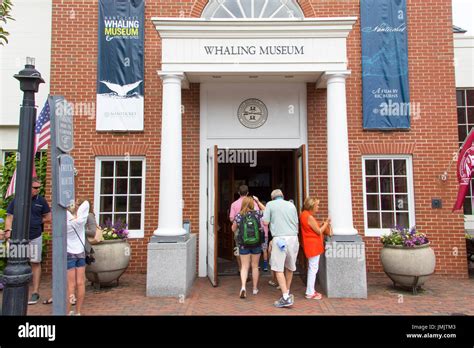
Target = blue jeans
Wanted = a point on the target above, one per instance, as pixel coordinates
(253, 251)
(75, 263)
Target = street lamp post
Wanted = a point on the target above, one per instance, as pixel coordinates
(17, 274)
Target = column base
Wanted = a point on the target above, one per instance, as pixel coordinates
(344, 231)
(343, 271)
(169, 232)
(171, 268)
(170, 239)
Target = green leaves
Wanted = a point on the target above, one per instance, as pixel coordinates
(7, 172)
(5, 10)
(41, 163)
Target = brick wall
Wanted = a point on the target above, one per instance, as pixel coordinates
(74, 71)
(73, 74)
(431, 141)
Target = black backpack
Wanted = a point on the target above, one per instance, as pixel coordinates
(250, 235)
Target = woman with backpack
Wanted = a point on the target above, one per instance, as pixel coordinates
(250, 239)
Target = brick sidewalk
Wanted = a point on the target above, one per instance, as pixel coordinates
(439, 297)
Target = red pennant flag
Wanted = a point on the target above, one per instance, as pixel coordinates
(465, 167)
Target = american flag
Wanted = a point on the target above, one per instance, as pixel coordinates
(42, 138)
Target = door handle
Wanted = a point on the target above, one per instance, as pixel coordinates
(212, 221)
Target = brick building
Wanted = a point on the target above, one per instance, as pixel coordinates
(305, 154)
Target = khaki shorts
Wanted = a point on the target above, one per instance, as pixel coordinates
(279, 260)
(36, 248)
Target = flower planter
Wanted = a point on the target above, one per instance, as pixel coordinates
(111, 260)
(408, 267)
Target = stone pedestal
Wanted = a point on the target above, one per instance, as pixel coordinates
(171, 268)
(342, 272)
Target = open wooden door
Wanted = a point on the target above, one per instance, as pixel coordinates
(301, 194)
(302, 191)
(212, 212)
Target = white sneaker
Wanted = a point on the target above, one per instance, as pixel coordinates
(255, 291)
(72, 313)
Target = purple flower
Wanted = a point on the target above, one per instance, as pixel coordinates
(116, 230)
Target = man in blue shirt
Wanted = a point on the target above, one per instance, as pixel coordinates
(40, 213)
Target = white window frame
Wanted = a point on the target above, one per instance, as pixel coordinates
(468, 218)
(4, 152)
(292, 8)
(378, 232)
(98, 160)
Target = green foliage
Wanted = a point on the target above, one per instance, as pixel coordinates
(7, 172)
(46, 238)
(41, 163)
(5, 14)
(3, 260)
(41, 166)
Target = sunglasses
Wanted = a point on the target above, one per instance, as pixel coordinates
(36, 187)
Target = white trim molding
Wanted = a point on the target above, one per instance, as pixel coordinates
(309, 45)
(98, 160)
(378, 232)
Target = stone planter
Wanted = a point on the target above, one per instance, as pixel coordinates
(111, 260)
(408, 267)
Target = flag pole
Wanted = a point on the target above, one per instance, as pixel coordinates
(17, 274)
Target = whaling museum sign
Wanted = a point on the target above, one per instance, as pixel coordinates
(254, 50)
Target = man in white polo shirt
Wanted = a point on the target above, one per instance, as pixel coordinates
(282, 217)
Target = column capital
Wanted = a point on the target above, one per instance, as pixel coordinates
(171, 74)
(336, 73)
(332, 76)
(174, 76)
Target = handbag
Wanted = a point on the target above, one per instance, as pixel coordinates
(97, 238)
(90, 258)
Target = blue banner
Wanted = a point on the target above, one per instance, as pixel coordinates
(386, 99)
(120, 69)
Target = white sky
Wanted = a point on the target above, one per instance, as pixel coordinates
(463, 15)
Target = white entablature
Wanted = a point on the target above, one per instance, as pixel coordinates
(199, 45)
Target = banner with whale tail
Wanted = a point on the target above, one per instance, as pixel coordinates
(120, 68)
(386, 99)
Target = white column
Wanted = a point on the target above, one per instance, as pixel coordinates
(339, 180)
(170, 217)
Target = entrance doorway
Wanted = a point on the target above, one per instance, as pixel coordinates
(265, 171)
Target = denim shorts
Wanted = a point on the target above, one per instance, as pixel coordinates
(75, 263)
(248, 251)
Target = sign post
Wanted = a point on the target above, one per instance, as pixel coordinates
(62, 142)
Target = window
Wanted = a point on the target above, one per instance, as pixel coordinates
(388, 193)
(120, 192)
(238, 9)
(465, 106)
(6, 154)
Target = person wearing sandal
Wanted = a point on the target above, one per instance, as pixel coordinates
(72, 300)
(313, 243)
(76, 264)
(249, 255)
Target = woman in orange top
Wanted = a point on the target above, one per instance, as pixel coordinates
(313, 236)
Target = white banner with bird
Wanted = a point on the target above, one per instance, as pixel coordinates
(121, 109)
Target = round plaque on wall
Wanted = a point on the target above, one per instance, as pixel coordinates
(252, 113)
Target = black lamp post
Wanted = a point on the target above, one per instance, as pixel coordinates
(17, 274)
